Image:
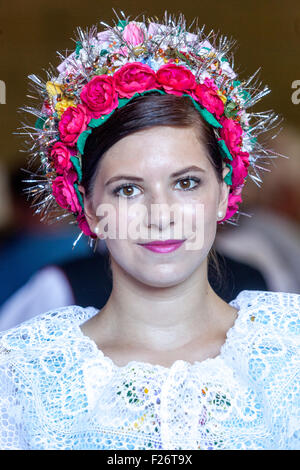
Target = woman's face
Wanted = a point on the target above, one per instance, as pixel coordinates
(152, 156)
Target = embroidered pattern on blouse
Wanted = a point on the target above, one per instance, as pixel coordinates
(59, 391)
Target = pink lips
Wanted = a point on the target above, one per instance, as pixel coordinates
(163, 247)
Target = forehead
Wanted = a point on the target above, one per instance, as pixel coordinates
(156, 148)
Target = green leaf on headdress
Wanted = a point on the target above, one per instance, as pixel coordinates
(97, 122)
(223, 59)
(77, 166)
(101, 71)
(121, 24)
(227, 178)
(103, 52)
(246, 95)
(224, 150)
(81, 140)
(231, 109)
(162, 92)
(123, 101)
(78, 48)
(39, 123)
(80, 199)
(209, 117)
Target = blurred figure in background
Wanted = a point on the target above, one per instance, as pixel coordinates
(26, 243)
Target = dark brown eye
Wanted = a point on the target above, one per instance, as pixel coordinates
(185, 183)
(128, 190)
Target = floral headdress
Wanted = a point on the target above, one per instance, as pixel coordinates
(106, 70)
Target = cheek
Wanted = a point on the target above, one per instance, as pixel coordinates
(202, 209)
(129, 219)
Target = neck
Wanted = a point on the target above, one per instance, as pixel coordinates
(161, 319)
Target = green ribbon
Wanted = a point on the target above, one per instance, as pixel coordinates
(227, 178)
(78, 195)
(79, 46)
(121, 24)
(224, 149)
(81, 140)
(39, 123)
(207, 116)
(77, 166)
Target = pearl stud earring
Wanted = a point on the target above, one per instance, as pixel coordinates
(220, 214)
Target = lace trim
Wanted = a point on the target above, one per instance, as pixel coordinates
(179, 362)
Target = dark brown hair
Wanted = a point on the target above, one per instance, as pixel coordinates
(145, 111)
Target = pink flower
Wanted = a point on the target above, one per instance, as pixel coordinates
(231, 133)
(64, 191)
(134, 77)
(239, 165)
(175, 79)
(133, 34)
(233, 201)
(83, 225)
(123, 51)
(60, 155)
(207, 96)
(73, 121)
(99, 95)
(67, 63)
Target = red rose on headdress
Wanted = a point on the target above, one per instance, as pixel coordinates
(134, 77)
(64, 191)
(239, 165)
(73, 121)
(60, 155)
(231, 132)
(83, 225)
(100, 96)
(175, 79)
(207, 95)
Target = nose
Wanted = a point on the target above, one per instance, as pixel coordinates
(159, 213)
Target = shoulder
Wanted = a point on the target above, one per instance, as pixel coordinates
(275, 311)
(268, 342)
(44, 329)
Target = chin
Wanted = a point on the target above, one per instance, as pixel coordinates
(163, 276)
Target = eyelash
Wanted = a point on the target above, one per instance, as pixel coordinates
(126, 185)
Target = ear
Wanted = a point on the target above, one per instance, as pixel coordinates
(224, 192)
(88, 209)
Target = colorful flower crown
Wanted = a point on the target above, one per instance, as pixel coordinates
(108, 69)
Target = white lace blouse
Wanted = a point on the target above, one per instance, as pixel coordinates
(59, 391)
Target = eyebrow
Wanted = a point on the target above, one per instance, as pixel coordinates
(136, 178)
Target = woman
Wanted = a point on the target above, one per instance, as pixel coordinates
(166, 363)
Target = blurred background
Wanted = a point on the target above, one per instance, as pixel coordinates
(39, 270)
